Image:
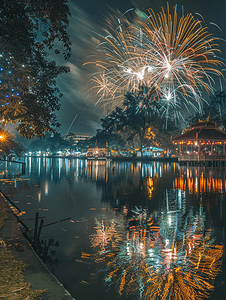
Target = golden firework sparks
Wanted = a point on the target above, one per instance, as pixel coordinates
(171, 55)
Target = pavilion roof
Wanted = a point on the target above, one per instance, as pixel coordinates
(206, 123)
(198, 132)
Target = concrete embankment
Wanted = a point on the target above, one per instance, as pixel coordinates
(36, 273)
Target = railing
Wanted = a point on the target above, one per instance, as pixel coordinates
(16, 162)
(201, 157)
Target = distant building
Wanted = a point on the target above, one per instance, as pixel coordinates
(77, 137)
(96, 152)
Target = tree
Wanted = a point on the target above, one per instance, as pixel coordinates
(49, 143)
(217, 109)
(132, 119)
(8, 145)
(103, 138)
(138, 119)
(29, 32)
(214, 108)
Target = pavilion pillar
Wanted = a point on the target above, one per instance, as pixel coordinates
(199, 148)
(191, 148)
(179, 148)
(186, 148)
(223, 148)
(211, 149)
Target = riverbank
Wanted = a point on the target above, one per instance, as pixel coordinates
(36, 273)
(114, 158)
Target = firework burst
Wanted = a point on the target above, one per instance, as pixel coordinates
(171, 55)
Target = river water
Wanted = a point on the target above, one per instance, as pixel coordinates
(137, 230)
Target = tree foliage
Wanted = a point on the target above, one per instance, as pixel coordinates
(104, 138)
(49, 143)
(139, 122)
(217, 109)
(29, 32)
(214, 108)
(8, 145)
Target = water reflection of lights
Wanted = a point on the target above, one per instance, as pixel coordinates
(47, 164)
(39, 197)
(200, 185)
(60, 166)
(46, 188)
(154, 169)
(39, 165)
(97, 170)
(105, 234)
(29, 164)
(176, 259)
(150, 186)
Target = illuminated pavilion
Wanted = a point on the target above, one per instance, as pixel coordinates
(204, 143)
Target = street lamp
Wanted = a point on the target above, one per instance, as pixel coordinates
(4, 136)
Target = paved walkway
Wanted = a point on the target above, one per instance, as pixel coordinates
(36, 273)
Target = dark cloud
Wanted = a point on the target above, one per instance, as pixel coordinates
(75, 100)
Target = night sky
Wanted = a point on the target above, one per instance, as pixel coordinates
(87, 21)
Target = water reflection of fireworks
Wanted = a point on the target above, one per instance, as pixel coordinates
(106, 236)
(156, 263)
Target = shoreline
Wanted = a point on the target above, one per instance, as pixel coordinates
(113, 158)
(36, 273)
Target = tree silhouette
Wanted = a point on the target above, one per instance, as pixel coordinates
(29, 32)
(214, 108)
(139, 119)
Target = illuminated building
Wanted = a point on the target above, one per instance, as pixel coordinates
(77, 137)
(204, 143)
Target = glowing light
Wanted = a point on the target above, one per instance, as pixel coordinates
(183, 267)
(168, 97)
(128, 70)
(164, 53)
(106, 235)
(4, 136)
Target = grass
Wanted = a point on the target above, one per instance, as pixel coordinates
(12, 284)
(3, 216)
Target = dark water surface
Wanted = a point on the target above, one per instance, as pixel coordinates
(137, 230)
